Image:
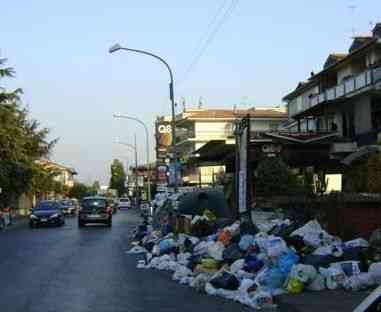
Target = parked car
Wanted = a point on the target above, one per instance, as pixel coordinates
(124, 202)
(95, 210)
(46, 212)
(69, 207)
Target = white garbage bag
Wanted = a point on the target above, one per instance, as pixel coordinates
(358, 242)
(359, 282)
(237, 265)
(275, 246)
(200, 281)
(304, 273)
(183, 258)
(348, 267)
(181, 272)
(334, 277)
(263, 299)
(317, 284)
(375, 272)
(313, 234)
(215, 250)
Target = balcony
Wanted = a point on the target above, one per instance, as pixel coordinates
(345, 89)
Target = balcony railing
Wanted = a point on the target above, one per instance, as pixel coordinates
(365, 79)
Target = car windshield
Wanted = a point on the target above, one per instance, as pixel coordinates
(124, 200)
(67, 202)
(97, 202)
(46, 206)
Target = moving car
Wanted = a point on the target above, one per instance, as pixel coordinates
(69, 207)
(46, 212)
(124, 202)
(95, 210)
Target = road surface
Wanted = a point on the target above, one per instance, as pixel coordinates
(69, 269)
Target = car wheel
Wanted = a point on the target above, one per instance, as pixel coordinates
(63, 222)
(80, 224)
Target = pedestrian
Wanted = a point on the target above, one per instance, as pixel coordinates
(6, 216)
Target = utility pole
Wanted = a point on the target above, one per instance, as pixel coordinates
(136, 174)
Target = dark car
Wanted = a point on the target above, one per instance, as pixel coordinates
(95, 210)
(69, 207)
(46, 212)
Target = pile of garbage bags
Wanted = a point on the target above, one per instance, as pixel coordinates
(252, 264)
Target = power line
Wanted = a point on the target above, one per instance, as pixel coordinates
(212, 22)
(210, 37)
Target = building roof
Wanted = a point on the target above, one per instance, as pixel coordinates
(49, 163)
(231, 114)
(359, 44)
(334, 58)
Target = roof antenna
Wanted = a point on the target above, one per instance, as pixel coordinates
(353, 8)
(183, 104)
(200, 104)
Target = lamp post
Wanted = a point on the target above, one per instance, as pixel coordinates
(133, 147)
(118, 47)
(147, 148)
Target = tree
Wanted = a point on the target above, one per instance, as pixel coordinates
(22, 142)
(272, 177)
(118, 177)
(94, 188)
(78, 191)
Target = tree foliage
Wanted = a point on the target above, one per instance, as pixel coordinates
(79, 191)
(118, 177)
(22, 142)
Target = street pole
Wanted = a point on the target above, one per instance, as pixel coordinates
(134, 148)
(118, 47)
(147, 148)
(136, 174)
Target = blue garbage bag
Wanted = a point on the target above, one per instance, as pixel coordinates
(287, 261)
(246, 241)
(165, 245)
(272, 278)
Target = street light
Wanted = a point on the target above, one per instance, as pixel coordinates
(118, 47)
(133, 147)
(147, 147)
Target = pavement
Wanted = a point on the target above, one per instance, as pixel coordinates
(70, 269)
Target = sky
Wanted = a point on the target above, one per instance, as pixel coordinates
(73, 86)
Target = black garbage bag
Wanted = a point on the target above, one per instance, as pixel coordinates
(319, 261)
(225, 281)
(231, 254)
(193, 261)
(149, 246)
(188, 245)
(248, 228)
(202, 228)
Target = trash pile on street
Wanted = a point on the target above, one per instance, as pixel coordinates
(252, 264)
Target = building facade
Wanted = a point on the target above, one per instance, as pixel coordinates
(344, 97)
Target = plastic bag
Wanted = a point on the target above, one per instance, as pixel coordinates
(237, 265)
(215, 250)
(358, 242)
(210, 264)
(183, 258)
(224, 237)
(359, 282)
(137, 250)
(231, 254)
(252, 263)
(182, 271)
(201, 248)
(200, 281)
(294, 286)
(313, 234)
(317, 284)
(287, 261)
(375, 272)
(271, 278)
(334, 277)
(263, 299)
(303, 273)
(246, 241)
(226, 281)
(275, 246)
(349, 267)
(165, 245)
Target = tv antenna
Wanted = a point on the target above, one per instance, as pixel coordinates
(352, 8)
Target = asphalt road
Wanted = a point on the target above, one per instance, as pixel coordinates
(69, 269)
